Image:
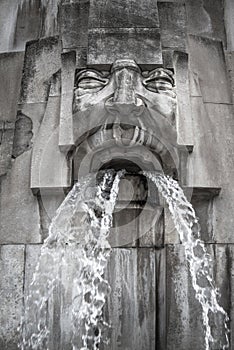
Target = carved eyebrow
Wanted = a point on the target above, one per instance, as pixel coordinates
(158, 74)
(90, 74)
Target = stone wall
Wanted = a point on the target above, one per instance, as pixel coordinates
(40, 50)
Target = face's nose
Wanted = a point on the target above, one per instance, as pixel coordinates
(124, 100)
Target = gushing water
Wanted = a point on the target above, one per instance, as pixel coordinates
(78, 241)
(87, 250)
(200, 262)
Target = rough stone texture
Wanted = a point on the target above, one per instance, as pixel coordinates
(42, 60)
(107, 45)
(229, 23)
(208, 63)
(131, 272)
(11, 293)
(184, 115)
(172, 17)
(206, 18)
(6, 141)
(66, 139)
(19, 214)
(11, 65)
(74, 24)
(110, 14)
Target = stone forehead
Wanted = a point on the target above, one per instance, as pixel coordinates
(125, 63)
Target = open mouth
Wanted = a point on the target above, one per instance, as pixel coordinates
(121, 146)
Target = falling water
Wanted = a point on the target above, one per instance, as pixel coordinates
(88, 251)
(200, 262)
(78, 240)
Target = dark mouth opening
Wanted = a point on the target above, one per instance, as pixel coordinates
(119, 164)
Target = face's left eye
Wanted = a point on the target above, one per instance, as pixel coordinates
(160, 80)
(89, 81)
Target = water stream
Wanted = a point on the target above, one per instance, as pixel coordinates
(78, 242)
(199, 260)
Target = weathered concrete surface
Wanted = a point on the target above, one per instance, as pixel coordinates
(131, 304)
(141, 44)
(19, 212)
(172, 18)
(206, 18)
(115, 14)
(11, 65)
(208, 63)
(42, 60)
(11, 294)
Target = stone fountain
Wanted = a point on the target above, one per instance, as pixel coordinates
(88, 87)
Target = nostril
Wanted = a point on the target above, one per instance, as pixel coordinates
(115, 107)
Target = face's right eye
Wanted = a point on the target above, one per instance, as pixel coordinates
(89, 81)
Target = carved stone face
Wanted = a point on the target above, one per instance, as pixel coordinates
(125, 114)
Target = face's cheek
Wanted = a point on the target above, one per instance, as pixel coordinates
(89, 98)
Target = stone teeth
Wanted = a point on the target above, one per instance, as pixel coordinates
(142, 137)
(149, 139)
(135, 136)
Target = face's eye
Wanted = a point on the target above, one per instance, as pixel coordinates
(89, 82)
(160, 80)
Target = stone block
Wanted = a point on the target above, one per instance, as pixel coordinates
(151, 227)
(11, 294)
(106, 45)
(214, 128)
(11, 65)
(172, 18)
(206, 18)
(42, 60)
(131, 306)
(74, 24)
(66, 139)
(119, 14)
(19, 215)
(207, 62)
(229, 23)
(6, 141)
(49, 167)
(184, 113)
